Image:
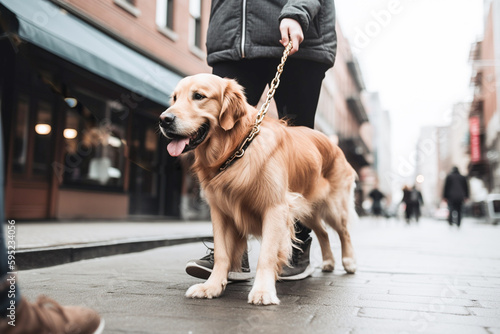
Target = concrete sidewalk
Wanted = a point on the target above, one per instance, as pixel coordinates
(42, 244)
(425, 278)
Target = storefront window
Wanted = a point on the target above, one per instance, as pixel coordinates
(43, 135)
(94, 137)
(21, 134)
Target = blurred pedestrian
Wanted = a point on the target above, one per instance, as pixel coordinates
(455, 192)
(246, 44)
(377, 196)
(417, 201)
(406, 201)
(413, 199)
(17, 315)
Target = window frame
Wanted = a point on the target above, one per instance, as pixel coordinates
(163, 24)
(195, 28)
(128, 7)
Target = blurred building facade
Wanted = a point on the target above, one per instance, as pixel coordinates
(459, 137)
(428, 165)
(484, 118)
(342, 114)
(381, 137)
(439, 149)
(82, 83)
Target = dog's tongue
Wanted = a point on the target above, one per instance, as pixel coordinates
(175, 147)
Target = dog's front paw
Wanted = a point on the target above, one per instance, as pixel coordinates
(204, 290)
(263, 298)
(349, 264)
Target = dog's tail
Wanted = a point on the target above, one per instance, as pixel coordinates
(298, 209)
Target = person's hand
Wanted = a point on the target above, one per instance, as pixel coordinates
(291, 29)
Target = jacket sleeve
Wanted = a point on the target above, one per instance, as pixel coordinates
(302, 11)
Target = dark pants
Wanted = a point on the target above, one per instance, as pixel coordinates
(455, 206)
(377, 208)
(298, 93)
(412, 209)
(296, 97)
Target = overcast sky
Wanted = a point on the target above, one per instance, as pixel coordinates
(415, 54)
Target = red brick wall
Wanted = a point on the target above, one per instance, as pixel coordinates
(142, 31)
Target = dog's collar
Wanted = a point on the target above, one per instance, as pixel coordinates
(241, 150)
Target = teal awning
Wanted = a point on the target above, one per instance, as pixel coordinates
(49, 27)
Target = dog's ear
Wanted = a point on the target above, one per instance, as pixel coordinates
(233, 105)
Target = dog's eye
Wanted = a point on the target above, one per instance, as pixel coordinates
(174, 98)
(198, 96)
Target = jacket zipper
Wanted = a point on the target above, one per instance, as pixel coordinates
(243, 28)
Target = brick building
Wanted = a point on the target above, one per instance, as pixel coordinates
(485, 112)
(81, 86)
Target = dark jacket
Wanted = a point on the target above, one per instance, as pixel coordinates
(250, 29)
(376, 195)
(456, 188)
(412, 197)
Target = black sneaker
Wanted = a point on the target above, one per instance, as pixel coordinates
(203, 267)
(300, 265)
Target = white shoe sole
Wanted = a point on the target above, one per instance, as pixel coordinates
(100, 329)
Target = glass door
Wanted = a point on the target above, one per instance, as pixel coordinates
(32, 157)
(144, 167)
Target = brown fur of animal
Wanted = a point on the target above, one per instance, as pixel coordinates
(287, 173)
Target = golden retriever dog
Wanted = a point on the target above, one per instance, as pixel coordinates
(286, 174)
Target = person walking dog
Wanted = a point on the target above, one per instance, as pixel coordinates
(245, 41)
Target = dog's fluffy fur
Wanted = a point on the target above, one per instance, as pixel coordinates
(287, 173)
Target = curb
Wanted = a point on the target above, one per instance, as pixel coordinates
(52, 256)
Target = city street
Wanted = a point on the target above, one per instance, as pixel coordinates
(424, 277)
(102, 209)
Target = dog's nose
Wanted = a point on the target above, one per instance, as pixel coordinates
(166, 120)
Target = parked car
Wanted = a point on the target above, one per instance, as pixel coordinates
(493, 208)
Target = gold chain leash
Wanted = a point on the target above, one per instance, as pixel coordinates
(262, 112)
(274, 84)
